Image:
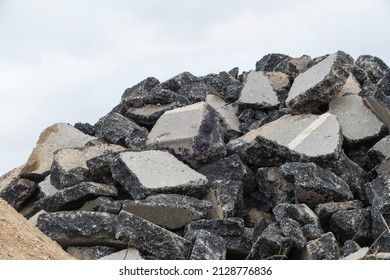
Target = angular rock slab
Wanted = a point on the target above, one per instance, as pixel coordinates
(192, 133)
(314, 185)
(150, 238)
(301, 137)
(80, 228)
(257, 92)
(73, 197)
(71, 165)
(378, 102)
(153, 172)
(53, 138)
(373, 66)
(208, 246)
(378, 156)
(323, 248)
(319, 84)
(18, 191)
(168, 210)
(358, 123)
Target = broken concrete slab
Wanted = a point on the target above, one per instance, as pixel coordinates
(153, 172)
(378, 157)
(125, 254)
(358, 255)
(325, 210)
(199, 139)
(53, 138)
(120, 130)
(290, 138)
(373, 66)
(227, 199)
(80, 228)
(208, 246)
(319, 84)
(227, 113)
(74, 197)
(70, 165)
(351, 86)
(90, 253)
(314, 185)
(46, 187)
(148, 115)
(229, 168)
(272, 188)
(94, 204)
(257, 92)
(150, 238)
(323, 248)
(224, 85)
(298, 212)
(384, 83)
(271, 244)
(293, 230)
(168, 210)
(358, 123)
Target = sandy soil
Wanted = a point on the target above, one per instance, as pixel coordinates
(20, 240)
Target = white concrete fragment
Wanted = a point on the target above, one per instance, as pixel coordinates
(359, 255)
(46, 187)
(258, 91)
(358, 123)
(227, 112)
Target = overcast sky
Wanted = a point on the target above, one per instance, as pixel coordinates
(70, 61)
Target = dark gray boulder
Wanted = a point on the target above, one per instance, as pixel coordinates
(323, 248)
(314, 185)
(373, 66)
(208, 246)
(349, 247)
(150, 238)
(384, 83)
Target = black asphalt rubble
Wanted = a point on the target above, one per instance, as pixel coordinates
(287, 161)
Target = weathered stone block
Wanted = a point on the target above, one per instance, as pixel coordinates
(208, 246)
(53, 138)
(153, 172)
(74, 197)
(319, 84)
(314, 185)
(323, 248)
(378, 156)
(168, 210)
(16, 190)
(153, 239)
(199, 139)
(373, 66)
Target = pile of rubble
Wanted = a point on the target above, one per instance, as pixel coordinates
(288, 161)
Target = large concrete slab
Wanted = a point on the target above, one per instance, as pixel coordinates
(192, 133)
(152, 172)
(358, 122)
(53, 138)
(290, 137)
(258, 92)
(319, 84)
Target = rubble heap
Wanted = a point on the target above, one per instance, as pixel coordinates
(288, 161)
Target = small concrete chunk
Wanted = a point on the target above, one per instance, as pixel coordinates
(314, 185)
(357, 122)
(53, 138)
(227, 113)
(319, 84)
(257, 92)
(199, 139)
(46, 187)
(74, 197)
(171, 211)
(120, 130)
(125, 254)
(80, 228)
(293, 230)
(378, 102)
(349, 247)
(208, 246)
(305, 137)
(348, 224)
(94, 205)
(273, 189)
(323, 248)
(298, 212)
(351, 86)
(325, 210)
(384, 83)
(150, 238)
(358, 255)
(18, 191)
(378, 156)
(70, 165)
(149, 114)
(271, 244)
(90, 253)
(152, 172)
(227, 199)
(373, 66)
(229, 168)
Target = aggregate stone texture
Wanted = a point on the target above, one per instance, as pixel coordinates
(208, 246)
(133, 171)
